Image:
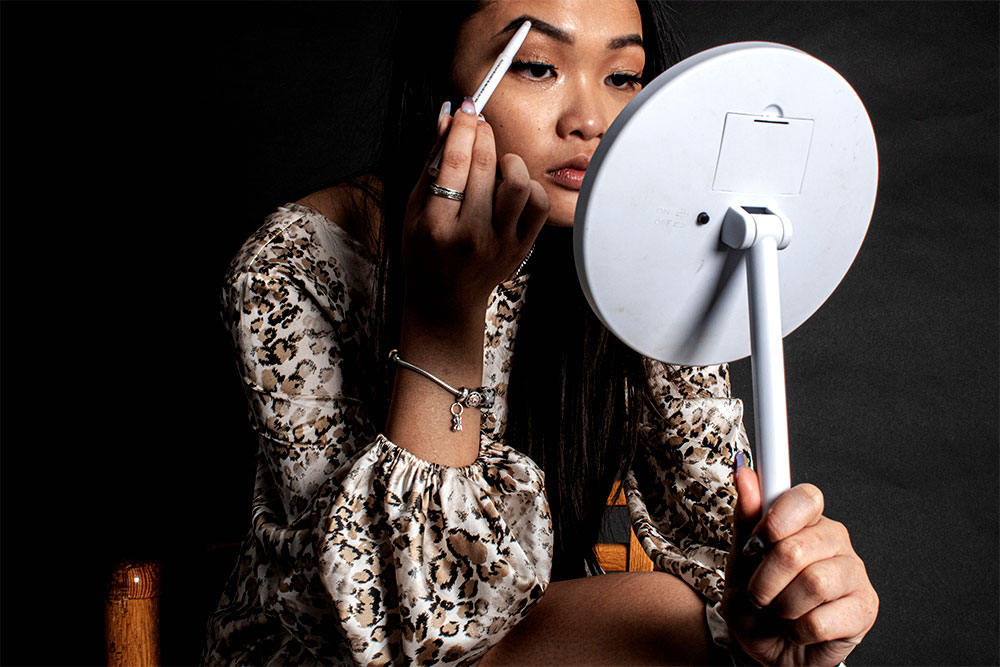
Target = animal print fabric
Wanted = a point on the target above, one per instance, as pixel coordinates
(361, 553)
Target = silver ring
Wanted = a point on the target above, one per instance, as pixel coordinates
(447, 193)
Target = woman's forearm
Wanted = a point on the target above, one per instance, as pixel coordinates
(613, 619)
(420, 413)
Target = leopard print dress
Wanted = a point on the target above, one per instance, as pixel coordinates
(362, 553)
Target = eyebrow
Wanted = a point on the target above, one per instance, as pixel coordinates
(561, 35)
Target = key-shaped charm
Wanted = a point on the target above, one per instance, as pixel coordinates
(456, 417)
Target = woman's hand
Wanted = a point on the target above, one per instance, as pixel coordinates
(804, 597)
(455, 253)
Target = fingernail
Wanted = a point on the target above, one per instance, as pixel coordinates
(481, 117)
(753, 546)
(741, 461)
(445, 111)
(468, 106)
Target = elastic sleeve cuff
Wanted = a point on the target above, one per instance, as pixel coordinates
(465, 552)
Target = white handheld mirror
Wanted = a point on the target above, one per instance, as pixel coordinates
(684, 225)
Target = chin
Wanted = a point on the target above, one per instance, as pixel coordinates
(563, 209)
(555, 221)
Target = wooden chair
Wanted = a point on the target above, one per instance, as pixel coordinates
(622, 553)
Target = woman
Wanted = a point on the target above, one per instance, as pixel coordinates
(382, 531)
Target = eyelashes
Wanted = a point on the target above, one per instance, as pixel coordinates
(623, 80)
(539, 71)
(534, 69)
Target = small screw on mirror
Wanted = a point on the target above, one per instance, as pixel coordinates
(703, 218)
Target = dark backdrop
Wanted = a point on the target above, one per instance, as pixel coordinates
(142, 142)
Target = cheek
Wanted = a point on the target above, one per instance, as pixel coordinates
(516, 138)
(521, 133)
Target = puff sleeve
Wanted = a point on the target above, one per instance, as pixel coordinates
(359, 552)
(681, 494)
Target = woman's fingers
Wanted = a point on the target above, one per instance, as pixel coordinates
(846, 619)
(803, 569)
(522, 207)
(794, 509)
(821, 582)
(791, 556)
(536, 212)
(477, 208)
(512, 195)
(455, 160)
(494, 222)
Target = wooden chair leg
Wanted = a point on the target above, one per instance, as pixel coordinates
(132, 615)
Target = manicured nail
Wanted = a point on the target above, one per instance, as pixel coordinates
(753, 546)
(481, 117)
(468, 106)
(741, 461)
(445, 111)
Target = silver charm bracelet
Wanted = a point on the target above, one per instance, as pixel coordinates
(481, 398)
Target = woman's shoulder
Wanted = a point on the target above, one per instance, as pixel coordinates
(319, 232)
(354, 206)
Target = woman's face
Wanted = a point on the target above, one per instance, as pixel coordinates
(578, 68)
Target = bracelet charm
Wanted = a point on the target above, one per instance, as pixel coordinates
(456, 417)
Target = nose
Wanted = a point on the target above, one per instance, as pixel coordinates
(586, 112)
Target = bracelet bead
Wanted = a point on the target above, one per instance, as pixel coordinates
(481, 397)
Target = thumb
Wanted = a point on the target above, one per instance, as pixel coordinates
(742, 615)
(745, 518)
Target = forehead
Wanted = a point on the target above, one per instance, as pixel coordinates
(585, 22)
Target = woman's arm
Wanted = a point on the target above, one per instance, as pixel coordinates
(359, 550)
(622, 618)
(455, 254)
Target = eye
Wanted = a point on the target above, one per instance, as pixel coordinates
(534, 70)
(624, 81)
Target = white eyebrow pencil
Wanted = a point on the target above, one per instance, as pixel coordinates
(490, 82)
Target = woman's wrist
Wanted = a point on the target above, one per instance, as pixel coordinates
(452, 347)
(422, 413)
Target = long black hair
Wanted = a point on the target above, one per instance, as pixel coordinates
(575, 389)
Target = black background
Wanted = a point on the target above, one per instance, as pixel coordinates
(142, 142)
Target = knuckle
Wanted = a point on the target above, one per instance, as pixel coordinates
(513, 163)
(790, 554)
(454, 159)
(873, 606)
(436, 234)
(816, 583)
(812, 628)
(756, 598)
(518, 182)
(774, 525)
(483, 160)
(840, 533)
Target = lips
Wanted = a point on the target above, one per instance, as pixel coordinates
(570, 175)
